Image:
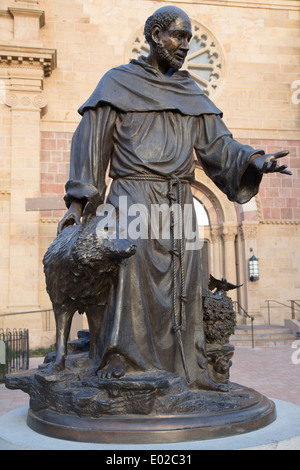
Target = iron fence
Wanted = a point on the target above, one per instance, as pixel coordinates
(14, 351)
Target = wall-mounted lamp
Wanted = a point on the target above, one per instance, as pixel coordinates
(253, 268)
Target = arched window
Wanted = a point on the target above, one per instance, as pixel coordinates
(201, 214)
(203, 221)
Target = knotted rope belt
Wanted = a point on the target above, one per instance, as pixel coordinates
(179, 316)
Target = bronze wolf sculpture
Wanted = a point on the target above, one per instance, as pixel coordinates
(80, 266)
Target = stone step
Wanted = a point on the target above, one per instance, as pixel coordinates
(264, 335)
(259, 343)
(263, 330)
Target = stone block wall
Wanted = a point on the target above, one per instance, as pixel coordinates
(53, 54)
(280, 195)
(55, 163)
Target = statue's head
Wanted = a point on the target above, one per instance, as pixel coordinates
(168, 32)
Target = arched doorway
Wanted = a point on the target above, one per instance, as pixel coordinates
(230, 233)
(220, 220)
(203, 224)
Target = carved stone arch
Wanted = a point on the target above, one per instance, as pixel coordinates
(223, 231)
(212, 209)
(232, 232)
(211, 250)
(220, 210)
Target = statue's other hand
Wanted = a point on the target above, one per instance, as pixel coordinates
(71, 217)
(268, 163)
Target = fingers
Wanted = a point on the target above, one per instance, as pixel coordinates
(287, 172)
(274, 168)
(264, 167)
(268, 163)
(271, 166)
(281, 154)
(275, 156)
(280, 168)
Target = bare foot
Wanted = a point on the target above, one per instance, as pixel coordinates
(114, 367)
(204, 383)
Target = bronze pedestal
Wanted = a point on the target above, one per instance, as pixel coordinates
(140, 408)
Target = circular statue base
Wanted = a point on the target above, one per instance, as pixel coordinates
(140, 408)
(154, 429)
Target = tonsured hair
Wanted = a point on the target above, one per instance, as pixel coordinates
(162, 19)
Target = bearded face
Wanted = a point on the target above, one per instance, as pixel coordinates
(172, 44)
(174, 61)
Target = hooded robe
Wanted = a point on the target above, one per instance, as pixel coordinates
(146, 126)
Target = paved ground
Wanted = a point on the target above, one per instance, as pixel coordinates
(273, 371)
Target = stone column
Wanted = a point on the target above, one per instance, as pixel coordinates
(24, 66)
(216, 255)
(248, 233)
(28, 19)
(25, 99)
(229, 234)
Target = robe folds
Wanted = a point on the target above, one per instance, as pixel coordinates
(148, 127)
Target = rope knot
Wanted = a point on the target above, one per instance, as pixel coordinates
(178, 328)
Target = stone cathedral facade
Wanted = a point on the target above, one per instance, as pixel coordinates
(244, 55)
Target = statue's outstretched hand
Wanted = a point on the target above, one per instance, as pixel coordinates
(268, 163)
(71, 217)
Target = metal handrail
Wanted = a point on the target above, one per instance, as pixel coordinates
(47, 312)
(291, 307)
(239, 307)
(24, 313)
(293, 303)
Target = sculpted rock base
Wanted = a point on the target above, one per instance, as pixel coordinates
(139, 408)
(143, 407)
